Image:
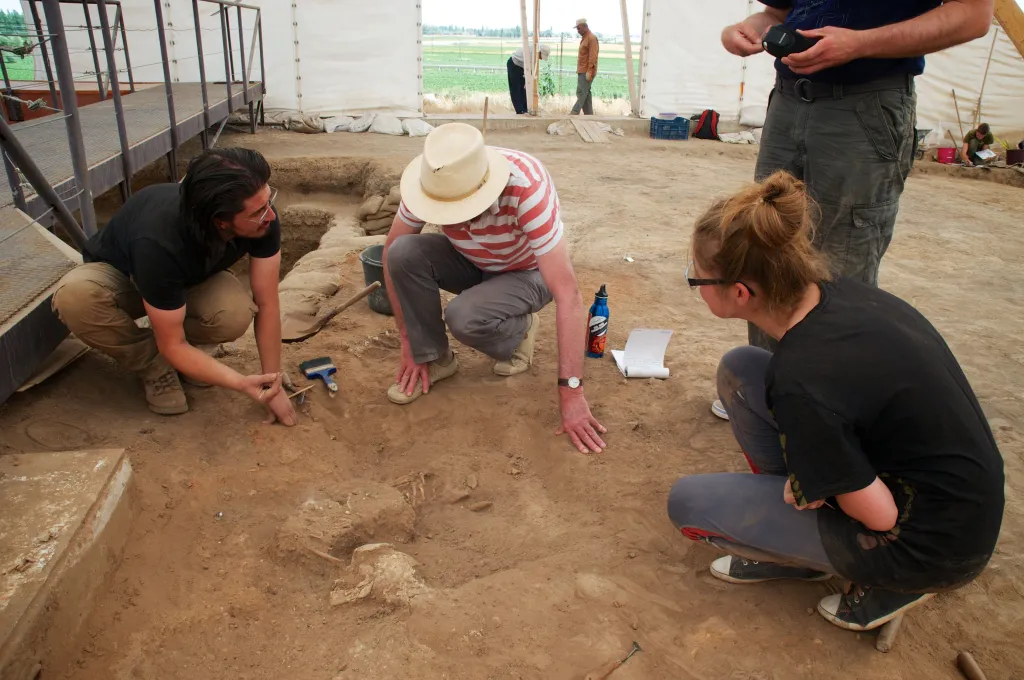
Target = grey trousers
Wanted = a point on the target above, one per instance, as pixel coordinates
(740, 513)
(584, 100)
(489, 313)
(854, 151)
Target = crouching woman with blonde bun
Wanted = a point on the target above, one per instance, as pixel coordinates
(872, 459)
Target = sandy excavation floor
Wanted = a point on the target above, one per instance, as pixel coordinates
(576, 558)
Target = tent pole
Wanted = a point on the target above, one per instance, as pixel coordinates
(536, 57)
(977, 110)
(527, 57)
(634, 103)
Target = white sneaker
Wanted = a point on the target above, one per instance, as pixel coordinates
(719, 409)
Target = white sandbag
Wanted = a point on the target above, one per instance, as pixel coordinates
(370, 206)
(395, 196)
(385, 124)
(744, 137)
(303, 302)
(563, 128)
(362, 124)
(757, 135)
(323, 282)
(338, 124)
(415, 127)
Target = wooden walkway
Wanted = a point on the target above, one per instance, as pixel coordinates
(149, 136)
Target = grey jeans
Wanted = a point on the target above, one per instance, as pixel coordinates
(584, 100)
(854, 151)
(489, 313)
(740, 513)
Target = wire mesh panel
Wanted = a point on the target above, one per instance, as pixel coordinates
(29, 263)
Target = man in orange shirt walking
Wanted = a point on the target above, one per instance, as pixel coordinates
(586, 69)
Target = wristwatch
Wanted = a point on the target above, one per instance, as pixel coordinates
(572, 383)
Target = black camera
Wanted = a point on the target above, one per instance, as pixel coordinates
(781, 41)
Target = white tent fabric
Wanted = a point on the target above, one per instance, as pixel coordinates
(686, 70)
(322, 56)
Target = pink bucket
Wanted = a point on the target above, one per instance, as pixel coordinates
(947, 155)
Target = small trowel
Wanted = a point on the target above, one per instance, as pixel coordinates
(295, 327)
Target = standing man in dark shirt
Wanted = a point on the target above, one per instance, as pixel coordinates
(872, 458)
(842, 114)
(165, 255)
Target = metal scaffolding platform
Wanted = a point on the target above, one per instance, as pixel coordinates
(149, 136)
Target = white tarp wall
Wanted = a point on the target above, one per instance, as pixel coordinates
(686, 70)
(322, 56)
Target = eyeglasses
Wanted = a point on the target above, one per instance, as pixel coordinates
(697, 283)
(263, 215)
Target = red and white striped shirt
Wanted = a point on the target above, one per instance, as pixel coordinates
(520, 226)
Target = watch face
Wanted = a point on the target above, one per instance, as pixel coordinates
(574, 382)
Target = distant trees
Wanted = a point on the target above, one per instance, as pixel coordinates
(514, 32)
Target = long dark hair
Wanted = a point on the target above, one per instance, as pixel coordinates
(216, 185)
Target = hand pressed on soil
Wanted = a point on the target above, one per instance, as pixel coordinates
(410, 372)
(280, 410)
(580, 424)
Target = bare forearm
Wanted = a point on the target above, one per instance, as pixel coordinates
(952, 23)
(762, 21)
(200, 366)
(268, 336)
(571, 328)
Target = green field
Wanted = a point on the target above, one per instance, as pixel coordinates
(471, 51)
(20, 69)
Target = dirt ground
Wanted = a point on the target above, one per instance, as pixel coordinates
(576, 558)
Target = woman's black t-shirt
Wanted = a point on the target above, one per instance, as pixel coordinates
(865, 386)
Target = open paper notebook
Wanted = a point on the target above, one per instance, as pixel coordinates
(644, 356)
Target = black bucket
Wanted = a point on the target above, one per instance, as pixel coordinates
(373, 270)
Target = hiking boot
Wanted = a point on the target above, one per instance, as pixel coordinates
(522, 356)
(865, 607)
(163, 391)
(438, 373)
(718, 408)
(734, 569)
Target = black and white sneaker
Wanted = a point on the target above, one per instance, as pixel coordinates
(738, 570)
(865, 608)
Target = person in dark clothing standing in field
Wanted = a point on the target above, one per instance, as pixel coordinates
(165, 255)
(872, 458)
(842, 114)
(517, 78)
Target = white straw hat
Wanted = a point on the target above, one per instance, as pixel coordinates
(580, 21)
(456, 178)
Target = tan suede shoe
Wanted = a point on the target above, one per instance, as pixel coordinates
(163, 389)
(437, 374)
(522, 357)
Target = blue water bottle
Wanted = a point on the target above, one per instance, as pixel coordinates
(597, 325)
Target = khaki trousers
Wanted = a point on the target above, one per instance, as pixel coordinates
(99, 305)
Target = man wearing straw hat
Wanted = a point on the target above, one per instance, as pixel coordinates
(502, 252)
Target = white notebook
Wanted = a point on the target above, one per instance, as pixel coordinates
(644, 356)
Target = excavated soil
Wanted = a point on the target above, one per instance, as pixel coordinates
(536, 562)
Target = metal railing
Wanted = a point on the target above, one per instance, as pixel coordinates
(63, 96)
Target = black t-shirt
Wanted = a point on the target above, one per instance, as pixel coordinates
(865, 386)
(149, 241)
(857, 15)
